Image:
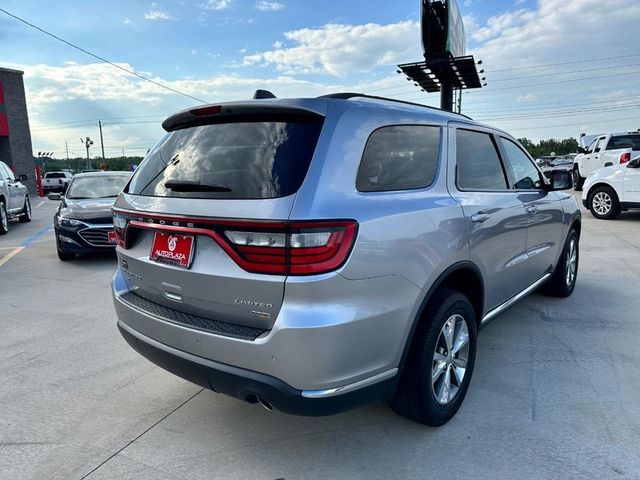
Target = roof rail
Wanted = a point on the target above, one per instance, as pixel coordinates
(348, 95)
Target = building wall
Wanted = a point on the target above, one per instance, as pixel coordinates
(16, 149)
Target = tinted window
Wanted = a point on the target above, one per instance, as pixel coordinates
(525, 175)
(479, 166)
(624, 141)
(592, 145)
(399, 158)
(97, 186)
(6, 172)
(249, 160)
(55, 175)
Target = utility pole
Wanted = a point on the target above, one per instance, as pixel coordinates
(87, 143)
(101, 142)
(66, 147)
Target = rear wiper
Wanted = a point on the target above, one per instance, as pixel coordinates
(191, 186)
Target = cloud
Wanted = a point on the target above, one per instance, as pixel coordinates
(499, 24)
(338, 49)
(266, 6)
(126, 21)
(155, 13)
(217, 4)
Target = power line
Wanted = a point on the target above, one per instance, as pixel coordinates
(563, 114)
(635, 117)
(543, 106)
(131, 72)
(566, 81)
(565, 63)
(564, 73)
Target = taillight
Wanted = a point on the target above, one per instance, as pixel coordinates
(120, 227)
(277, 248)
(625, 157)
(296, 248)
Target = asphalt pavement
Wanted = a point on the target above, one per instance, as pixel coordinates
(555, 392)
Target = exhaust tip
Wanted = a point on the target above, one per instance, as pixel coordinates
(265, 404)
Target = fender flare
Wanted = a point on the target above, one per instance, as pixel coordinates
(464, 264)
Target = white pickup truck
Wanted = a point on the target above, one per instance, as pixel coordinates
(604, 151)
(56, 181)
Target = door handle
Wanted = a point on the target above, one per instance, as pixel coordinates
(479, 217)
(532, 209)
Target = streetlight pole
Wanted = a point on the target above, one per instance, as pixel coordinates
(101, 142)
(87, 143)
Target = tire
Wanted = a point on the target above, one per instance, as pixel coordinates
(563, 279)
(578, 181)
(603, 203)
(25, 216)
(4, 219)
(64, 256)
(417, 397)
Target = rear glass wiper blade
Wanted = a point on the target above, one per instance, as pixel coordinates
(194, 186)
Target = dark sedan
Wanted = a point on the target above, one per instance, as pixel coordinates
(560, 163)
(83, 220)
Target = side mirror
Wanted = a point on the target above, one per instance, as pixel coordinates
(23, 178)
(581, 150)
(560, 180)
(54, 196)
(635, 163)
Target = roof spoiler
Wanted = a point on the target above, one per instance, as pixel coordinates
(239, 112)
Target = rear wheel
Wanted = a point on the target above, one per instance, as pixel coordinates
(25, 216)
(440, 363)
(563, 280)
(4, 219)
(604, 204)
(578, 181)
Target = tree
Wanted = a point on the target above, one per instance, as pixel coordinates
(549, 146)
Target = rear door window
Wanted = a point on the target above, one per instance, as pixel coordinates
(624, 141)
(525, 176)
(243, 160)
(479, 165)
(402, 157)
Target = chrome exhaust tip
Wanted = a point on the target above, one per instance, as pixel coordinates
(265, 404)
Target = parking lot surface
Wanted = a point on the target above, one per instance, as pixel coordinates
(555, 392)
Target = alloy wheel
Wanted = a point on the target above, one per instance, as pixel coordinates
(602, 203)
(450, 359)
(3, 218)
(572, 262)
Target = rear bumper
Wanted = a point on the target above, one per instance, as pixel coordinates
(248, 385)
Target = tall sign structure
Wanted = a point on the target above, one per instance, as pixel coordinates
(446, 65)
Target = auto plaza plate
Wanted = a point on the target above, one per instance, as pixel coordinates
(172, 249)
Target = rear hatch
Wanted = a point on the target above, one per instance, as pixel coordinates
(205, 202)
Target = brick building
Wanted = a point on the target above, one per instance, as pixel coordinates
(15, 137)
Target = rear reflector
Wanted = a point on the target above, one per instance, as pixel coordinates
(625, 157)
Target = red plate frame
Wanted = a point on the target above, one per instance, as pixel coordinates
(173, 249)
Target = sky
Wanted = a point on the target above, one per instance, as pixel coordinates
(553, 68)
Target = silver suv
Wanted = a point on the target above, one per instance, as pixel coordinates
(313, 255)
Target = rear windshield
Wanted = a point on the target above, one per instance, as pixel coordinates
(248, 160)
(624, 141)
(55, 175)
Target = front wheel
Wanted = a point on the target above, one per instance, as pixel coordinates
(578, 181)
(4, 219)
(563, 279)
(25, 215)
(440, 363)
